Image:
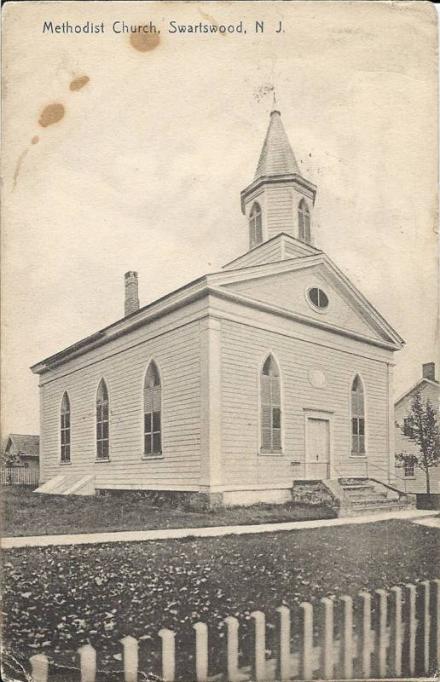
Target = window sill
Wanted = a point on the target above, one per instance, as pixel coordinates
(362, 455)
(65, 464)
(102, 460)
(148, 458)
(271, 453)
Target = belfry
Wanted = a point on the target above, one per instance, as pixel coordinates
(279, 199)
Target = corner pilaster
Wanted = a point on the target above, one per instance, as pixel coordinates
(211, 478)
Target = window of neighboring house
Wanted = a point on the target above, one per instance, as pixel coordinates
(102, 421)
(255, 226)
(409, 469)
(152, 411)
(270, 407)
(304, 222)
(357, 418)
(406, 424)
(65, 428)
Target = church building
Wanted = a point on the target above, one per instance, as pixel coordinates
(235, 386)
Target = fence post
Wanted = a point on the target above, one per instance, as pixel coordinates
(326, 632)
(87, 662)
(232, 648)
(346, 639)
(258, 653)
(434, 630)
(396, 631)
(365, 633)
(422, 631)
(40, 667)
(306, 655)
(409, 640)
(380, 633)
(131, 658)
(168, 654)
(283, 643)
(201, 651)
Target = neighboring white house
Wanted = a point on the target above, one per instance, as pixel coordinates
(411, 476)
(275, 369)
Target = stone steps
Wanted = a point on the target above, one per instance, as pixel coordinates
(367, 496)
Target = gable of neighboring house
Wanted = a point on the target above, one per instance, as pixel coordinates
(24, 447)
(411, 476)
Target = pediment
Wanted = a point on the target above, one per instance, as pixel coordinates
(288, 287)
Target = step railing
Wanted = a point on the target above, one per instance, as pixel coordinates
(383, 633)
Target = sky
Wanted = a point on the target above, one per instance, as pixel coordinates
(140, 167)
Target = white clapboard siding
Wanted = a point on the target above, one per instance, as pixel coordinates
(269, 252)
(243, 351)
(177, 354)
(280, 210)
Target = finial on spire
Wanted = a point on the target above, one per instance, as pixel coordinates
(275, 109)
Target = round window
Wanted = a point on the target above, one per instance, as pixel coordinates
(318, 298)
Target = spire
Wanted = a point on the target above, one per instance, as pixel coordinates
(277, 157)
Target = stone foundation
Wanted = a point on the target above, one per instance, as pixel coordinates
(246, 498)
(203, 501)
(314, 493)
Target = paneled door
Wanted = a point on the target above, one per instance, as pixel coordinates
(318, 448)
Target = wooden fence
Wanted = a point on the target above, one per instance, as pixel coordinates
(19, 476)
(394, 633)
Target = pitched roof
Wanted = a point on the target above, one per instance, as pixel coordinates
(213, 284)
(417, 386)
(25, 443)
(277, 157)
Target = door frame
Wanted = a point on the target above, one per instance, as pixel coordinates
(324, 415)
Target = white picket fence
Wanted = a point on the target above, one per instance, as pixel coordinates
(394, 633)
(19, 475)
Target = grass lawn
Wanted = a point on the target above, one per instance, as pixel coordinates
(26, 513)
(58, 598)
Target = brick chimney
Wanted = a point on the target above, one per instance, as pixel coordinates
(428, 370)
(131, 292)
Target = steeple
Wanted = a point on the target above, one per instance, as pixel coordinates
(276, 156)
(279, 199)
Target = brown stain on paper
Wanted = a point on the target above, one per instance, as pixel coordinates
(35, 139)
(79, 82)
(51, 114)
(144, 42)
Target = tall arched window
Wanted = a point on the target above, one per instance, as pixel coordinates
(65, 429)
(102, 421)
(357, 417)
(304, 221)
(152, 408)
(270, 406)
(255, 225)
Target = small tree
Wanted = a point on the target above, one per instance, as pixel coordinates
(422, 427)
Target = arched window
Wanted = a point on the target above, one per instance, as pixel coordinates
(357, 417)
(304, 221)
(65, 428)
(270, 406)
(102, 421)
(152, 408)
(255, 226)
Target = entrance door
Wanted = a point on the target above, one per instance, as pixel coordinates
(318, 448)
